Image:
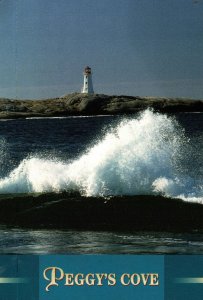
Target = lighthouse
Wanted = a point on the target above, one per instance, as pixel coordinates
(87, 85)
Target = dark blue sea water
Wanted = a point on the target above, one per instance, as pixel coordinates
(146, 154)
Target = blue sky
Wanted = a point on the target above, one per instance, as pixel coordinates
(135, 47)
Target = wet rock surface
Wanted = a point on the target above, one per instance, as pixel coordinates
(120, 213)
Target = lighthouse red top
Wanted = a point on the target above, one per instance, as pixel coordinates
(87, 70)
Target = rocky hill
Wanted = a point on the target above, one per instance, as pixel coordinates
(97, 104)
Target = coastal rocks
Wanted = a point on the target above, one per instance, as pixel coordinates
(120, 213)
(83, 104)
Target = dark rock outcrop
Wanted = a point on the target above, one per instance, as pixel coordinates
(81, 104)
(123, 213)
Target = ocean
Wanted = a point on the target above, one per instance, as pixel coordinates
(102, 156)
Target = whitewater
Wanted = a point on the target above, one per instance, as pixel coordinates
(139, 156)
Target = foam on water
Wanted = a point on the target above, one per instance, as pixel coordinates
(139, 156)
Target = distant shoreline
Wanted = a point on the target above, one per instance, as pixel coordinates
(97, 104)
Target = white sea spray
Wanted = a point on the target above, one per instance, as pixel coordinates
(139, 156)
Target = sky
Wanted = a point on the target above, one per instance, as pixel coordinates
(134, 47)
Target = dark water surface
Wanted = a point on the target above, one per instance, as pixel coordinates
(94, 242)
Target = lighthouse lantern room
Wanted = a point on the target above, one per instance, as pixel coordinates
(87, 85)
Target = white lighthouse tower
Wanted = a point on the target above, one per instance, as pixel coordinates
(87, 85)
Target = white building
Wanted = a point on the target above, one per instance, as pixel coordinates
(87, 85)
